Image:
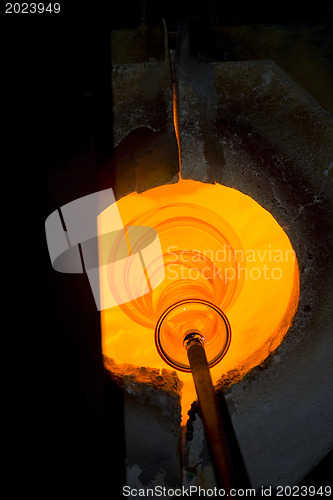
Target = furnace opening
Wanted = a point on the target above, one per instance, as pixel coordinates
(218, 245)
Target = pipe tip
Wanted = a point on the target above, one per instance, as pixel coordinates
(193, 337)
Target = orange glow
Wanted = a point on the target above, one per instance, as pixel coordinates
(176, 123)
(218, 245)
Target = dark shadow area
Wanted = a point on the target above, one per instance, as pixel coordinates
(57, 118)
(217, 12)
(321, 474)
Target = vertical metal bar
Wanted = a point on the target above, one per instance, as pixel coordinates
(214, 429)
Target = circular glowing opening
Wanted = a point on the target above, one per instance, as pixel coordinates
(219, 246)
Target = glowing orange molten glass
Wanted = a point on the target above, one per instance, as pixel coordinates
(218, 245)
